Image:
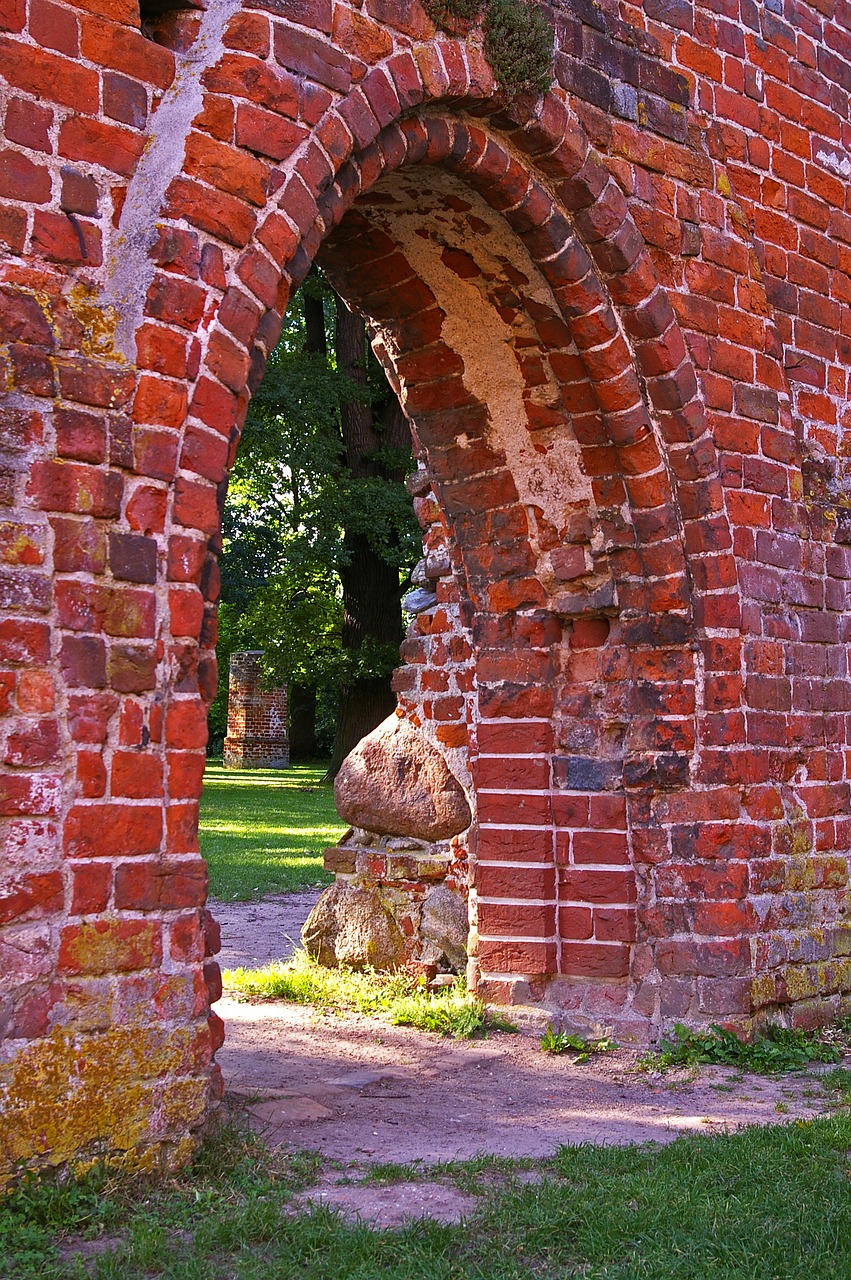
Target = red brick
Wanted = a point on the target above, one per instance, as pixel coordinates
(54, 27)
(91, 888)
(48, 76)
(113, 830)
(185, 774)
(109, 44)
(109, 946)
(36, 895)
(595, 959)
(23, 179)
(95, 142)
(226, 168)
(186, 725)
(220, 214)
(147, 886)
(91, 775)
(137, 775)
(598, 886)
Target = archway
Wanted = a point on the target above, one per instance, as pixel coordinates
(643, 787)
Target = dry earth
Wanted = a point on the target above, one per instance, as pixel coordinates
(360, 1091)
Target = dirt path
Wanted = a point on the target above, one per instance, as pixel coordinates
(357, 1089)
(253, 933)
(360, 1091)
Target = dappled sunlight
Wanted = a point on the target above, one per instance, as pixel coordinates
(384, 1090)
(263, 831)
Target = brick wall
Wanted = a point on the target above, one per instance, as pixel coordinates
(257, 717)
(618, 317)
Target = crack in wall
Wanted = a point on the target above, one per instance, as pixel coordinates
(129, 268)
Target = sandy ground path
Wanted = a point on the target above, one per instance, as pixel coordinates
(253, 933)
(357, 1089)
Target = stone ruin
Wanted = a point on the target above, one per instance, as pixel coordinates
(257, 717)
(617, 315)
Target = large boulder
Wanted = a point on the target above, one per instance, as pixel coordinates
(351, 926)
(396, 783)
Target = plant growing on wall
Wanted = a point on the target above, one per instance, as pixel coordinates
(518, 38)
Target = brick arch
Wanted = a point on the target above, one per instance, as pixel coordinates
(221, 158)
(645, 439)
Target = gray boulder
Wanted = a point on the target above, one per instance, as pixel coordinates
(351, 926)
(445, 924)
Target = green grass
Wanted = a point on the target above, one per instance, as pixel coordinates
(771, 1051)
(263, 830)
(399, 997)
(762, 1204)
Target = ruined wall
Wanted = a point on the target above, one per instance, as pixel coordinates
(257, 717)
(618, 317)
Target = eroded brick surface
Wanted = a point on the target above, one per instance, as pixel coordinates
(617, 317)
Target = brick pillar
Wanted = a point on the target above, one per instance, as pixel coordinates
(257, 717)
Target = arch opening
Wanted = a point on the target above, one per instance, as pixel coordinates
(571, 590)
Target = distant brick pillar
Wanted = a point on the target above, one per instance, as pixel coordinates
(257, 717)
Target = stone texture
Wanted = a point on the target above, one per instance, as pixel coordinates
(351, 926)
(396, 783)
(445, 925)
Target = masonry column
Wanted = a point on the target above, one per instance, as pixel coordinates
(257, 717)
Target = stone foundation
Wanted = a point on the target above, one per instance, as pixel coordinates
(405, 873)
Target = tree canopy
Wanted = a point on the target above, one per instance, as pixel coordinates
(317, 517)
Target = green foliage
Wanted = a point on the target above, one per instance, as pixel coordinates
(292, 506)
(519, 45)
(518, 39)
(263, 830)
(558, 1042)
(838, 1081)
(772, 1050)
(449, 1012)
(398, 996)
(453, 16)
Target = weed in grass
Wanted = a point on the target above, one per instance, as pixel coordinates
(449, 1013)
(558, 1042)
(838, 1082)
(773, 1050)
(263, 830)
(398, 996)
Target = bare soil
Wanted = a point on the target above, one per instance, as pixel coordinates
(253, 933)
(361, 1091)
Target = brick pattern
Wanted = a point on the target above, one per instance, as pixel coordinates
(257, 717)
(617, 317)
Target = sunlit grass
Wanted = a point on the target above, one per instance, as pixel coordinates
(263, 830)
(399, 997)
(762, 1204)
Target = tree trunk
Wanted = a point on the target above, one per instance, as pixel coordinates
(314, 324)
(371, 592)
(302, 707)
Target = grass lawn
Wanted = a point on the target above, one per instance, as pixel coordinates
(263, 830)
(763, 1204)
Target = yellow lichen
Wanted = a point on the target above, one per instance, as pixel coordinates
(98, 323)
(125, 1095)
(762, 990)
